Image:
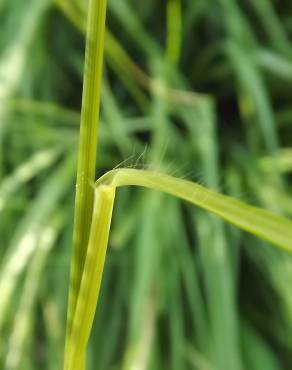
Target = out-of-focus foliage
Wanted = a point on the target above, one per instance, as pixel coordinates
(196, 88)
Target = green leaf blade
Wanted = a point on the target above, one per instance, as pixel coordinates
(264, 224)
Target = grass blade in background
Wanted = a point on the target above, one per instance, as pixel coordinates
(22, 329)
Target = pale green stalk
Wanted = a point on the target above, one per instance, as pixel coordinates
(91, 278)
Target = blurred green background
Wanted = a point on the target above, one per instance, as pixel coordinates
(199, 89)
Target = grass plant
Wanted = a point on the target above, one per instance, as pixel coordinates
(183, 202)
(94, 210)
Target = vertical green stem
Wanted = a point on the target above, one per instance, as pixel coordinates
(91, 278)
(87, 148)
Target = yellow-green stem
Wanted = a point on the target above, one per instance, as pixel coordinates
(91, 278)
(87, 148)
